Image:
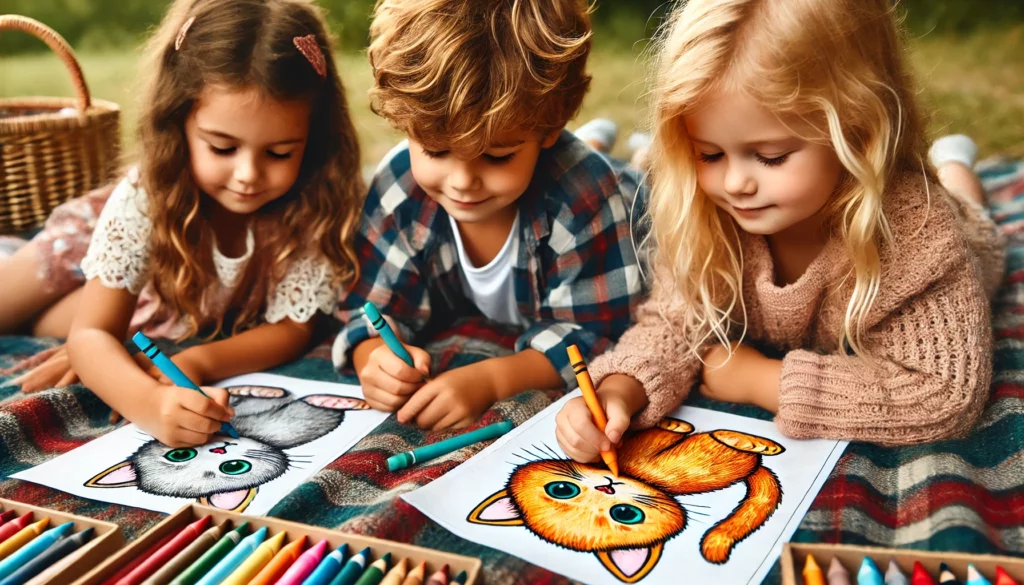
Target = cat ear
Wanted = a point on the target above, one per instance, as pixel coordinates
(120, 475)
(629, 565)
(496, 510)
(236, 501)
(333, 402)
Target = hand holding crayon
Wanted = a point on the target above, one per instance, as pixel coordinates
(593, 404)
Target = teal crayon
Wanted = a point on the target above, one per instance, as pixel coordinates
(894, 576)
(427, 452)
(387, 334)
(177, 377)
(974, 577)
(461, 578)
(49, 557)
(328, 568)
(353, 568)
(869, 573)
(35, 547)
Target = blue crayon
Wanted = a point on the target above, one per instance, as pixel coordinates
(974, 577)
(353, 569)
(49, 557)
(328, 568)
(869, 573)
(236, 557)
(177, 377)
(36, 546)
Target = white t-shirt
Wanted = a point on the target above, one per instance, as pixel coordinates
(491, 287)
(119, 255)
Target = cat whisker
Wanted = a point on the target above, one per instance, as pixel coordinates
(532, 454)
(554, 455)
(694, 513)
(692, 505)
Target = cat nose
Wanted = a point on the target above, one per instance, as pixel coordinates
(607, 489)
(219, 450)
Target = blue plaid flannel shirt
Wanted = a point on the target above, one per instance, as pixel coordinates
(575, 271)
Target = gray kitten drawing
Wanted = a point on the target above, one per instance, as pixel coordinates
(227, 474)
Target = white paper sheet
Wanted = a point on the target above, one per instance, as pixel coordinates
(290, 429)
(583, 508)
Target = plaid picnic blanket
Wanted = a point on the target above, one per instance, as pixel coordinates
(965, 495)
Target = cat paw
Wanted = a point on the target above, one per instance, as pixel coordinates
(674, 425)
(716, 547)
(747, 443)
(257, 391)
(333, 402)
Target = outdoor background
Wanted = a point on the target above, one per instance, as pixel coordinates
(968, 55)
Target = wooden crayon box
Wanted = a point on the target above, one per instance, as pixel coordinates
(192, 512)
(794, 555)
(106, 540)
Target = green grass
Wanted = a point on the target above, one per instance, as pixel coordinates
(972, 84)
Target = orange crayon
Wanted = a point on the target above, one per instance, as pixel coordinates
(611, 459)
(812, 572)
(280, 563)
(417, 575)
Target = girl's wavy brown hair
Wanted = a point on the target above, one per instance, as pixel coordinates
(455, 73)
(244, 44)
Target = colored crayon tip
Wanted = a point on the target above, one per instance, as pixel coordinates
(837, 573)
(894, 576)
(1003, 578)
(974, 577)
(242, 528)
(946, 576)
(386, 558)
(920, 576)
(869, 573)
(461, 578)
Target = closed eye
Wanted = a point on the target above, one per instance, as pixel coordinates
(435, 153)
(710, 158)
(223, 151)
(773, 162)
(499, 160)
(279, 155)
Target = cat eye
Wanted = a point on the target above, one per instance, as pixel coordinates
(627, 514)
(562, 490)
(180, 455)
(235, 467)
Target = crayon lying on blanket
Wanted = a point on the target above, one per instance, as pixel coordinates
(920, 576)
(894, 576)
(280, 563)
(353, 568)
(974, 577)
(328, 568)
(187, 556)
(812, 572)
(49, 557)
(256, 561)
(837, 573)
(33, 549)
(22, 537)
(211, 557)
(177, 377)
(869, 573)
(1002, 578)
(428, 452)
(374, 574)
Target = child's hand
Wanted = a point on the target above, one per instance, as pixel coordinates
(189, 361)
(454, 399)
(182, 417)
(388, 381)
(748, 377)
(578, 436)
(54, 372)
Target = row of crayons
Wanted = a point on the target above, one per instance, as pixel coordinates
(202, 554)
(868, 574)
(28, 547)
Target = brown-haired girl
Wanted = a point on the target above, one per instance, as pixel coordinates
(238, 218)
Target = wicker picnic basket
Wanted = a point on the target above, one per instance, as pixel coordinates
(47, 155)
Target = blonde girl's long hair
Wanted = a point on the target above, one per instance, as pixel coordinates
(838, 67)
(244, 44)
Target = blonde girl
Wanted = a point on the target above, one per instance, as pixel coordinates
(805, 258)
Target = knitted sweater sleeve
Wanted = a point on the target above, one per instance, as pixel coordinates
(932, 364)
(654, 353)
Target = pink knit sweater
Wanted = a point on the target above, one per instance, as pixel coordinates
(928, 332)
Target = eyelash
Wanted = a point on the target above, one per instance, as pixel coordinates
(768, 162)
(230, 150)
(494, 160)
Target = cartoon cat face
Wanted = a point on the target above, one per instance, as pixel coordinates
(586, 509)
(230, 465)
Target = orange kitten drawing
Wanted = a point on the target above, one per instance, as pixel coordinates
(626, 521)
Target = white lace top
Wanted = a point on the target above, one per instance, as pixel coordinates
(119, 256)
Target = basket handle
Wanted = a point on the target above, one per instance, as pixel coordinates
(58, 45)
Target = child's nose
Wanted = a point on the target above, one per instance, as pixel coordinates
(246, 170)
(738, 181)
(461, 177)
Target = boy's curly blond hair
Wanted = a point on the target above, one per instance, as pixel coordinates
(455, 73)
